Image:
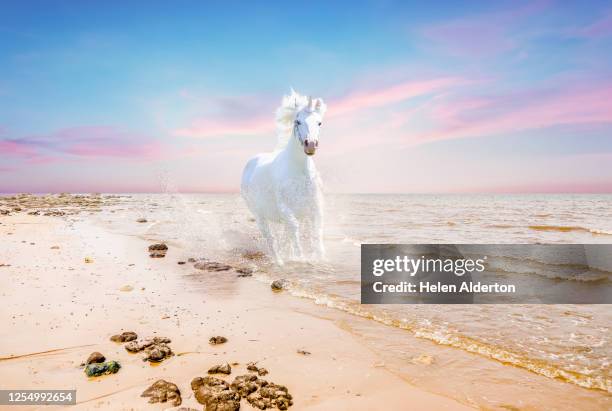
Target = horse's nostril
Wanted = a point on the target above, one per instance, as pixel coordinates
(306, 142)
(317, 143)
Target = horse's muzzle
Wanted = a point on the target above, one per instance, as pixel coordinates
(310, 147)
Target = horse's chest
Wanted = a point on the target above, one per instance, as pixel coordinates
(299, 193)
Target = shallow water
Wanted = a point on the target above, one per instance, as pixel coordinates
(568, 342)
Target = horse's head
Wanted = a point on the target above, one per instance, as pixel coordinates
(308, 123)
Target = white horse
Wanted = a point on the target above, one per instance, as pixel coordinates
(283, 189)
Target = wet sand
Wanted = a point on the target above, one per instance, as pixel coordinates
(57, 309)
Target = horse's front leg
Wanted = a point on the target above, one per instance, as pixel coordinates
(264, 228)
(317, 232)
(293, 228)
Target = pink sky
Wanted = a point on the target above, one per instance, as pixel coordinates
(492, 98)
(401, 116)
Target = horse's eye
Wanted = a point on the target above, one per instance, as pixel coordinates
(320, 123)
(298, 122)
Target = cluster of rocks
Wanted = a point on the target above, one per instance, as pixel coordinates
(205, 264)
(96, 365)
(98, 369)
(214, 393)
(244, 272)
(253, 255)
(215, 266)
(219, 395)
(278, 285)
(124, 337)
(158, 250)
(269, 395)
(163, 391)
(52, 213)
(220, 369)
(217, 340)
(95, 358)
(252, 366)
(211, 266)
(53, 205)
(156, 349)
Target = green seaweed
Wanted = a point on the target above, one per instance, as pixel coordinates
(95, 370)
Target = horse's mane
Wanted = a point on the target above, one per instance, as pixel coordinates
(285, 115)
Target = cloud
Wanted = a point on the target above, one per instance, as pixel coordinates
(598, 29)
(467, 39)
(105, 141)
(16, 148)
(257, 124)
(482, 35)
(393, 94)
(495, 116)
(217, 128)
(84, 142)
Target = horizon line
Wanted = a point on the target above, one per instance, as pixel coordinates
(8, 193)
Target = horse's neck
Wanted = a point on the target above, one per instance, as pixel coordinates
(296, 161)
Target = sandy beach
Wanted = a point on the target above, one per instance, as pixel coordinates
(57, 309)
(70, 283)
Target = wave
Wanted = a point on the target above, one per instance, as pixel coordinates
(566, 229)
(586, 379)
(554, 271)
(501, 226)
(446, 337)
(600, 232)
(586, 277)
(469, 344)
(555, 228)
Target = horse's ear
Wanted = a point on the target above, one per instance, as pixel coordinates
(320, 106)
(310, 103)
